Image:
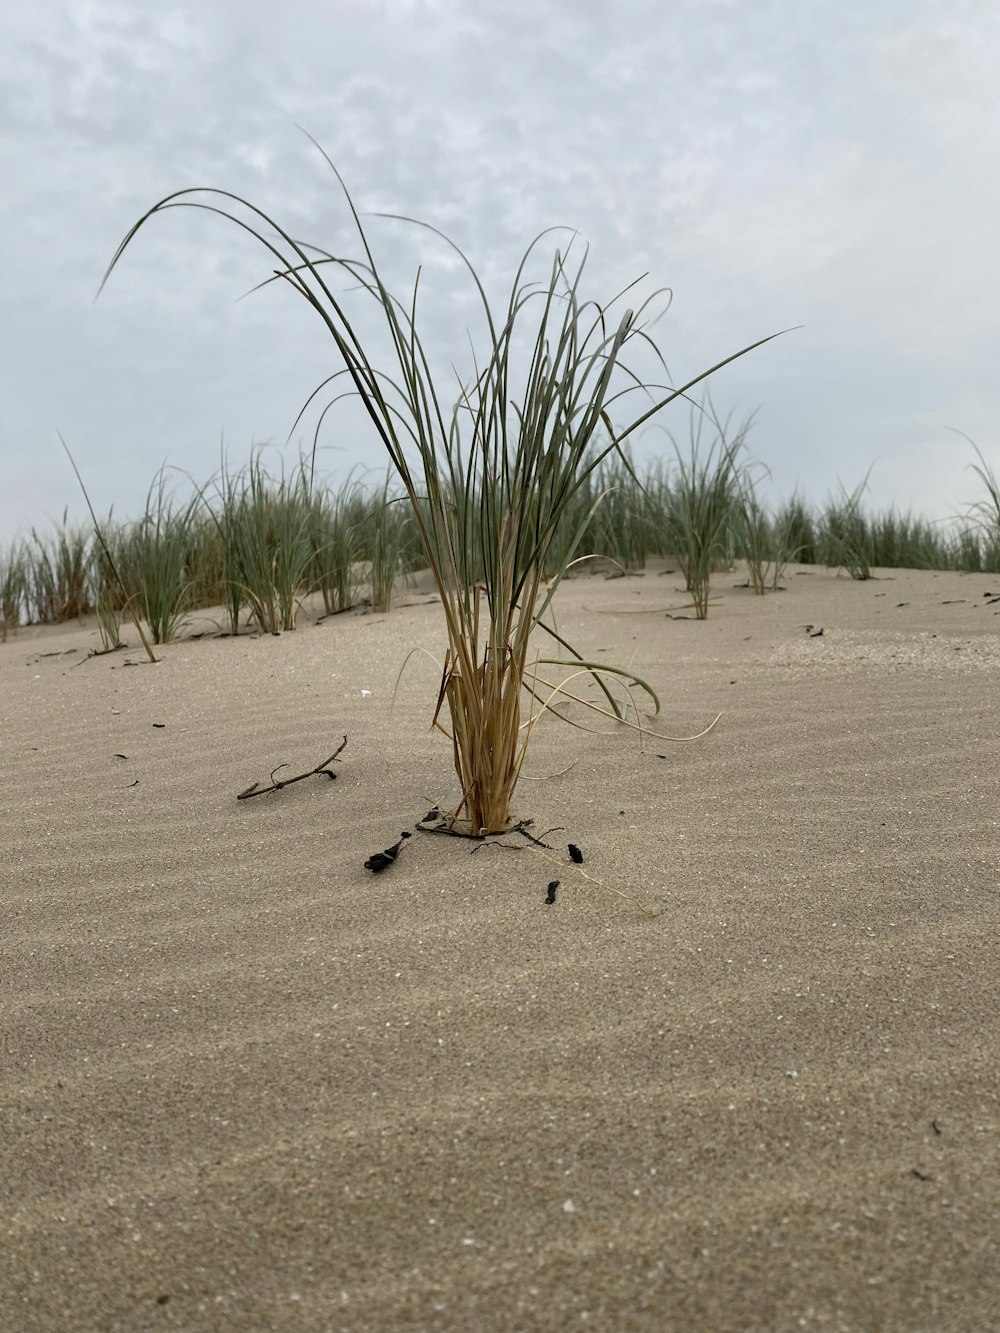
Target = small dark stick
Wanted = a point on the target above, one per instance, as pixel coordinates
(550, 897)
(255, 789)
(379, 860)
(575, 855)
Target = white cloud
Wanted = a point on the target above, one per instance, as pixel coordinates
(774, 164)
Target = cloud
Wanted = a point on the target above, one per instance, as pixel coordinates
(773, 164)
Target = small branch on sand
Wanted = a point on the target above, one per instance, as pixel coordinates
(522, 828)
(100, 652)
(255, 789)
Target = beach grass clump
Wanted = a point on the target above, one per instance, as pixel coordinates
(703, 500)
(206, 569)
(966, 550)
(109, 603)
(652, 499)
(619, 525)
(490, 470)
(224, 510)
(974, 550)
(606, 519)
(153, 556)
(57, 573)
(265, 526)
(847, 540)
(13, 587)
(798, 531)
(385, 539)
(335, 525)
(105, 566)
(903, 540)
(333, 535)
(755, 537)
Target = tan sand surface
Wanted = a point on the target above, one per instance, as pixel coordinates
(246, 1085)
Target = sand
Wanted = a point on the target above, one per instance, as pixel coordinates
(246, 1085)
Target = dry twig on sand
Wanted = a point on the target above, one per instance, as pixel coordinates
(255, 789)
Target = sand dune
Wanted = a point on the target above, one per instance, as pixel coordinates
(246, 1085)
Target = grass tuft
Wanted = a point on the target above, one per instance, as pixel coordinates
(848, 542)
(58, 580)
(491, 475)
(704, 500)
(154, 558)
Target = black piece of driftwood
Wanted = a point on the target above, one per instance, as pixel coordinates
(255, 789)
(550, 896)
(379, 860)
(575, 855)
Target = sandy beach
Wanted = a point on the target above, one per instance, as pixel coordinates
(247, 1085)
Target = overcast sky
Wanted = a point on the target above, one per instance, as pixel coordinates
(774, 162)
